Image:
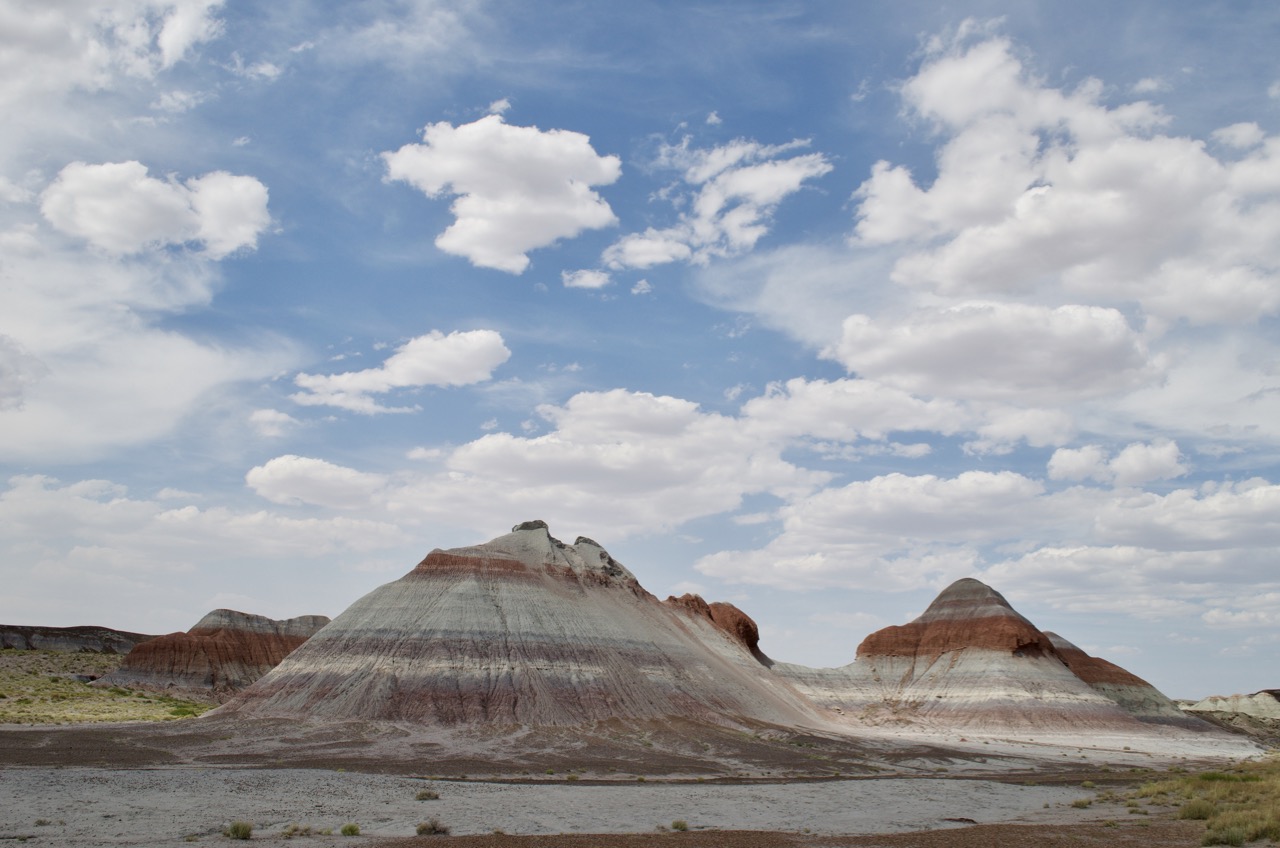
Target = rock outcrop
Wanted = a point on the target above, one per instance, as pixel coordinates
(527, 630)
(90, 639)
(225, 652)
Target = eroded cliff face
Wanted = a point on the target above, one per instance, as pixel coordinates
(528, 630)
(223, 653)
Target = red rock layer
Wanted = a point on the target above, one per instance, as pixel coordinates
(225, 652)
(967, 614)
(732, 621)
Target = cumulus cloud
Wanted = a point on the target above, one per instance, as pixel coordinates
(1037, 186)
(997, 351)
(1137, 463)
(585, 279)
(18, 369)
(516, 188)
(460, 358)
(118, 208)
(731, 192)
(297, 479)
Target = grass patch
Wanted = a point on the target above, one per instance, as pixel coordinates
(427, 795)
(41, 689)
(432, 827)
(1238, 806)
(350, 829)
(1081, 803)
(239, 830)
(680, 824)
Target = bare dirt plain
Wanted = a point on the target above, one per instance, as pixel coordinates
(183, 782)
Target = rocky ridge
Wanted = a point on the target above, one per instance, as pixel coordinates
(223, 653)
(88, 639)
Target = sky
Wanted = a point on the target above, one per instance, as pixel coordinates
(810, 307)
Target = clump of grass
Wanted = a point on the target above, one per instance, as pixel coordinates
(571, 777)
(296, 829)
(427, 795)
(432, 827)
(1225, 836)
(1081, 803)
(350, 829)
(1087, 784)
(679, 824)
(239, 830)
(1199, 809)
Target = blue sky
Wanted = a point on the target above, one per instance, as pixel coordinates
(813, 308)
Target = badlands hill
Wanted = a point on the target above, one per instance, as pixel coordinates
(528, 631)
(225, 652)
(971, 661)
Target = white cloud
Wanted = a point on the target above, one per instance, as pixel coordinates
(459, 359)
(18, 369)
(272, 423)
(642, 287)
(714, 119)
(731, 191)
(585, 279)
(296, 479)
(1037, 187)
(1137, 463)
(517, 188)
(499, 107)
(846, 410)
(51, 48)
(1242, 136)
(996, 351)
(118, 208)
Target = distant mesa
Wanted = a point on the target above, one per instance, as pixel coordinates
(526, 630)
(225, 652)
(85, 639)
(1264, 704)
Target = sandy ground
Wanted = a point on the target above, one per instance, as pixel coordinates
(96, 808)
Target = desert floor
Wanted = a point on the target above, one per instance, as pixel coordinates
(169, 806)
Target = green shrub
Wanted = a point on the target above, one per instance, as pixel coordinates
(679, 824)
(428, 795)
(432, 827)
(239, 830)
(350, 829)
(1081, 803)
(1088, 784)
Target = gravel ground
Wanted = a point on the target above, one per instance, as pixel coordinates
(97, 808)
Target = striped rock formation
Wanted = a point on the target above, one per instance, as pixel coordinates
(970, 661)
(1263, 704)
(1135, 695)
(527, 630)
(225, 652)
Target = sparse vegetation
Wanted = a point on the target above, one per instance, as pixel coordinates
(1238, 806)
(428, 795)
(679, 824)
(350, 829)
(432, 827)
(1081, 803)
(42, 687)
(239, 830)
